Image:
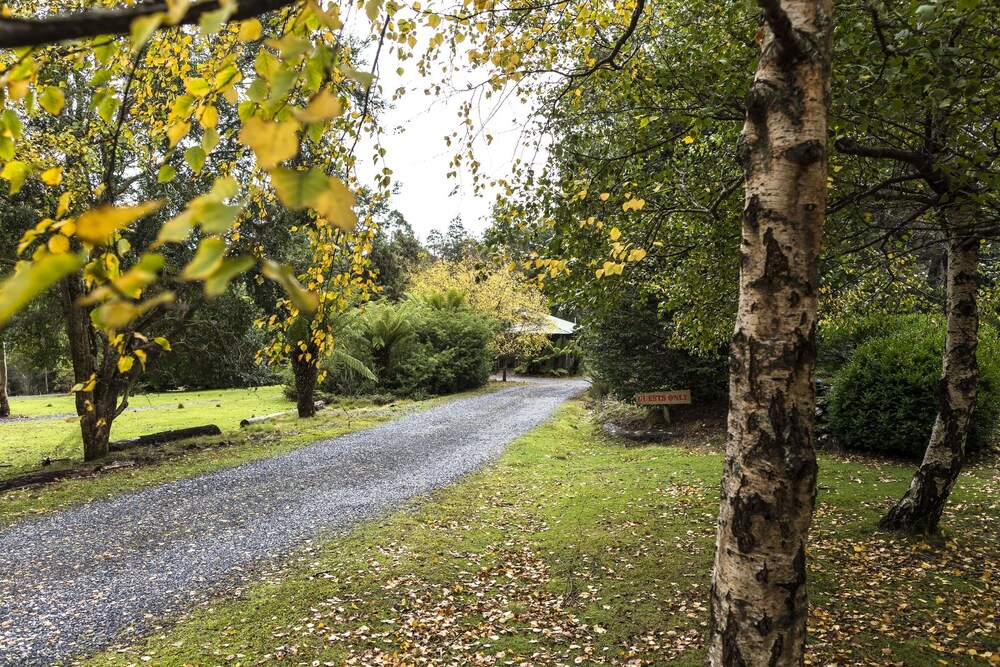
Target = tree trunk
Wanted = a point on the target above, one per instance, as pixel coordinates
(96, 408)
(306, 373)
(4, 399)
(759, 605)
(919, 510)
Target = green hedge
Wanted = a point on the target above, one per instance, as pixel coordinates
(884, 399)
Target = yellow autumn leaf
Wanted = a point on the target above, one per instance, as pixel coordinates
(689, 140)
(633, 205)
(52, 100)
(323, 106)
(141, 356)
(177, 132)
(58, 244)
(605, 196)
(615, 234)
(636, 254)
(96, 225)
(330, 19)
(125, 363)
(336, 204)
(163, 343)
(52, 176)
(176, 9)
(272, 142)
(16, 172)
(249, 30)
(63, 206)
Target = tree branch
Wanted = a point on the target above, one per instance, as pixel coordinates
(619, 45)
(781, 25)
(16, 32)
(851, 147)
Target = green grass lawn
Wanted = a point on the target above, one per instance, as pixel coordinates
(23, 444)
(577, 549)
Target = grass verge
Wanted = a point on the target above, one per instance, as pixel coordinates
(574, 549)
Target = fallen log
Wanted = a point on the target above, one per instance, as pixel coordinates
(256, 420)
(164, 436)
(43, 477)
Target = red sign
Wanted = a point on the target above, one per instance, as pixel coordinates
(675, 397)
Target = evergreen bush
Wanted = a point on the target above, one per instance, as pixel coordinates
(628, 349)
(884, 399)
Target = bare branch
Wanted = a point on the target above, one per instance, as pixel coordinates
(16, 32)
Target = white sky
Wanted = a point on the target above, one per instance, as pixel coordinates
(418, 155)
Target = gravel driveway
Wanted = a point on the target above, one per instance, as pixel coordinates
(83, 578)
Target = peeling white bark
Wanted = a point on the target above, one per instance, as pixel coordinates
(758, 593)
(919, 510)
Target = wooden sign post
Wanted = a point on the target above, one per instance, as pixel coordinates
(664, 398)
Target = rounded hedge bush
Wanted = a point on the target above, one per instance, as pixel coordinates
(884, 399)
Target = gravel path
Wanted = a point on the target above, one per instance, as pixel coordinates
(83, 578)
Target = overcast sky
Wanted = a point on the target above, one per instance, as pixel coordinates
(418, 155)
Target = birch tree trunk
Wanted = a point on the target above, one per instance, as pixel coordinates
(919, 510)
(4, 398)
(759, 605)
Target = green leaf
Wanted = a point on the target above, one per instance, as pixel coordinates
(166, 174)
(206, 261)
(210, 139)
(313, 189)
(105, 51)
(301, 298)
(364, 78)
(258, 90)
(10, 122)
(195, 157)
(143, 28)
(6, 148)
(216, 217)
(210, 22)
(218, 282)
(299, 189)
(31, 279)
(197, 87)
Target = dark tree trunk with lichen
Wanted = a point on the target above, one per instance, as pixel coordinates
(759, 605)
(97, 408)
(919, 510)
(305, 364)
(306, 373)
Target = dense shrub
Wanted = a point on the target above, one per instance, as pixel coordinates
(415, 350)
(837, 340)
(627, 348)
(450, 353)
(884, 399)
